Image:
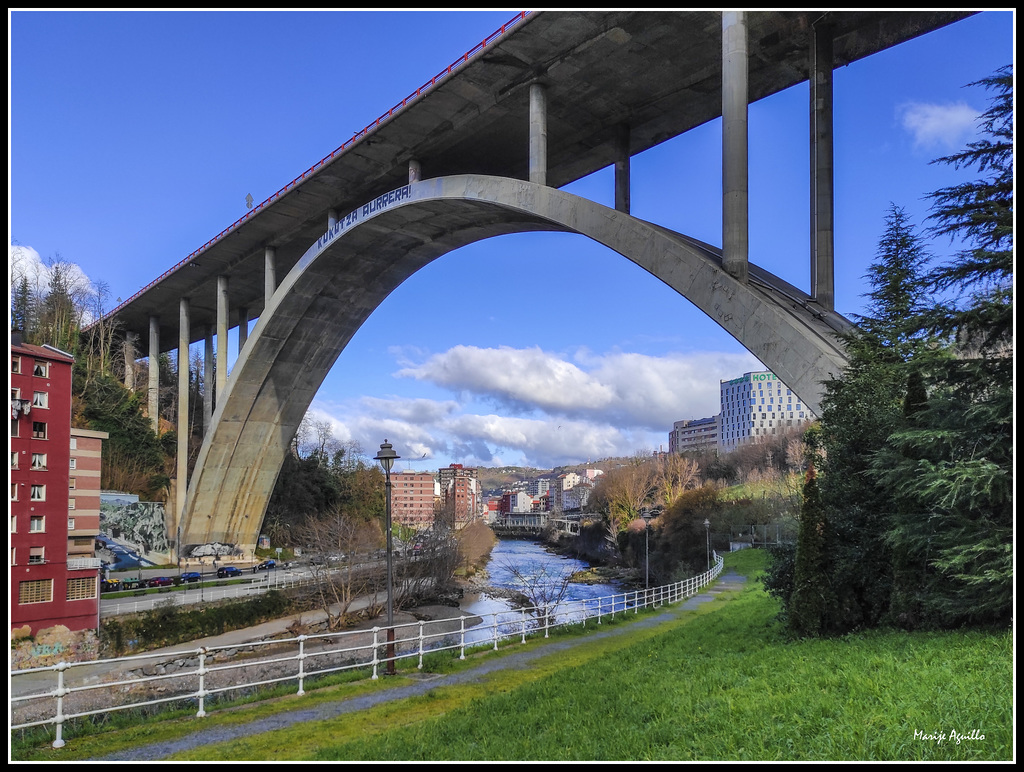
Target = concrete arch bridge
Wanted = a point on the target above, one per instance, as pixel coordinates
(481, 150)
(354, 266)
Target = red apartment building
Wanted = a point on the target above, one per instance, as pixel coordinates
(460, 490)
(412, 499)
(54, 574)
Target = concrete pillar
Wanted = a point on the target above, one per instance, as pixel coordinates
(269, 275)
(184, 333)
(415, 171)
(622, 169)
(222, 335)
(208, 378)
(822, 198)
(735, 232)
(538, 135)
(154, 373)
(130, 347)
(243, 327)
(332, 218)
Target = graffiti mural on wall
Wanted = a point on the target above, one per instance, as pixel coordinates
(133, 533)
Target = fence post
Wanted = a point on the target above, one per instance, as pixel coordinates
(495, 626)
(302, 658)
(462, 638)
(58, 720)
(522, 618)
(420, 665)
(202, 683)
(375, 659)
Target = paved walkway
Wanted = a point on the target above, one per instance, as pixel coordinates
(726, 582)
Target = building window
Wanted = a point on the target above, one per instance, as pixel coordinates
(14, 459)
(74, 463)
(39, 461)
(14, 491)
(36, 524)
(35, 591)
(36, 555)
(71, 483)
(38, 430)
(14, 524)
(41, 369)
(40, 399)
(38, 493)
(71, 503)
(71, 523)
(14, 427)
(15, 364)
(82, 589)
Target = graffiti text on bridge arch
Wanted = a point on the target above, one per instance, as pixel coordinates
(371, 207)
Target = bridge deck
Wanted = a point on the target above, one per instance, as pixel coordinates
(657, 72)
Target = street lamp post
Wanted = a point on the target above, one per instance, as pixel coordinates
(387, 457)
(647, 548)
(707, 529)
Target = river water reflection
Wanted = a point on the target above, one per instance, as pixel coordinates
(535, 565)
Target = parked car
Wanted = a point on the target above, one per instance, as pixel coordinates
(266, 565)
(228, 571)
(191, 576)
(160, 581)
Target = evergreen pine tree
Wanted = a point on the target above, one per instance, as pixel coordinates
(860, 410)
(951, 469)
(811, 600)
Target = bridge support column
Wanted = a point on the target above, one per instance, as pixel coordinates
(130, 347)
(243, 327)
(208, 378)
(184, 333)
(538, 134)
(822, 171)
(269, 275)
(222, 335)
(154, 373)
(415, 171)
(735, 233)
(622, 168)
(332, 218)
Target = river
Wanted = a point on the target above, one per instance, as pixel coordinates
(528, 567)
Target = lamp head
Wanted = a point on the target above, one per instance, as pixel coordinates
(387, 456)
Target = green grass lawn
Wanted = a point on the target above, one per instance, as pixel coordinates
(719, 683)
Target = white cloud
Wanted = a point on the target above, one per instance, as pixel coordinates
(557, 412)
(25, 262)
(621, 388)
(942, 127)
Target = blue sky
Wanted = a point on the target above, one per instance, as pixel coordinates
(136, 136)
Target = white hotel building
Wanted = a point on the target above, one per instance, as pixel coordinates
(758, 405)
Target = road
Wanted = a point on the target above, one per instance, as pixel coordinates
(209, 589)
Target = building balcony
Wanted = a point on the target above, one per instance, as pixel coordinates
(82, 564)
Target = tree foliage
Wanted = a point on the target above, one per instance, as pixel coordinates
(916, 480)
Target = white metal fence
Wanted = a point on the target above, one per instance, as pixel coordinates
(54, 694)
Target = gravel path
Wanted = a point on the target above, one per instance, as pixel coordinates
(156, 751)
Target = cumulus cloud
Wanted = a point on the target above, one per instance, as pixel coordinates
(942, 127)
(624, 389)
(556, 411)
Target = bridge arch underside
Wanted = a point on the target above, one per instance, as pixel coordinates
(335, 287)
